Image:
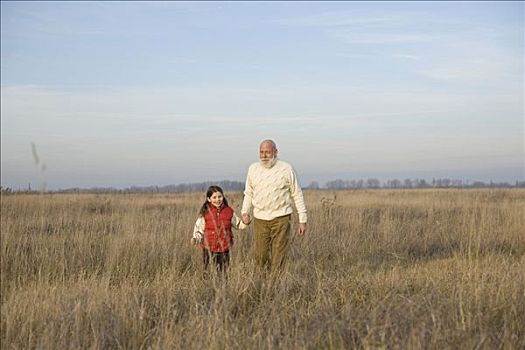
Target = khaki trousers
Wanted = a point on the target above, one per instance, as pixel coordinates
(272, 239)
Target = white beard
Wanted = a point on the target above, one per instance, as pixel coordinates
(269, 163)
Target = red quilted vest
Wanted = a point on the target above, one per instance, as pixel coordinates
(218, 235)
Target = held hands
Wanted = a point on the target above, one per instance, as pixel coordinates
(246, 219)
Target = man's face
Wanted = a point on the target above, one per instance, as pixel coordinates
(267, 153)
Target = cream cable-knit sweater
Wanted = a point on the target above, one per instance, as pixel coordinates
(271, 192)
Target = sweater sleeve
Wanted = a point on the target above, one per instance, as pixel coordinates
(297, 196)
(198, 229)
(248, 194)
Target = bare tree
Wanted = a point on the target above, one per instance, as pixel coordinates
(373, 183)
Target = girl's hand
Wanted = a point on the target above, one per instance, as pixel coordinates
(246, 219)
(197, 240)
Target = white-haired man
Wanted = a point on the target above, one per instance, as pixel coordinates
(271, 189)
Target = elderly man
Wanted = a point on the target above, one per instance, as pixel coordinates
(271, 188)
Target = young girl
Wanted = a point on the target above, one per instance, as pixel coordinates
(213, 229)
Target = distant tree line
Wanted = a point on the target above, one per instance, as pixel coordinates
(226, 185)
(236, 186)
(372, 183)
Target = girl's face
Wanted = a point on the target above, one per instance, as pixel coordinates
(216, 199)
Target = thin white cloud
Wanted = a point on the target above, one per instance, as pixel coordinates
(335, 19)
(494, 67)
(407, 56)
(351, 37)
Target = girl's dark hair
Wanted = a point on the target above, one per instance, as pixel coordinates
(211, 190)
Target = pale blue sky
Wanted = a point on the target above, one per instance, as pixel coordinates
(143, 93)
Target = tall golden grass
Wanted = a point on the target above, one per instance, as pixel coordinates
(396, 269)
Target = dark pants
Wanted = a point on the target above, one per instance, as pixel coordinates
(221, 260)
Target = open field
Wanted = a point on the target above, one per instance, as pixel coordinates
(396, 269)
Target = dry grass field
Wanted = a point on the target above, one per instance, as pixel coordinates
(381, 269)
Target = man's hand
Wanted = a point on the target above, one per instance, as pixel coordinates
(246, 219)
(302, 229)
